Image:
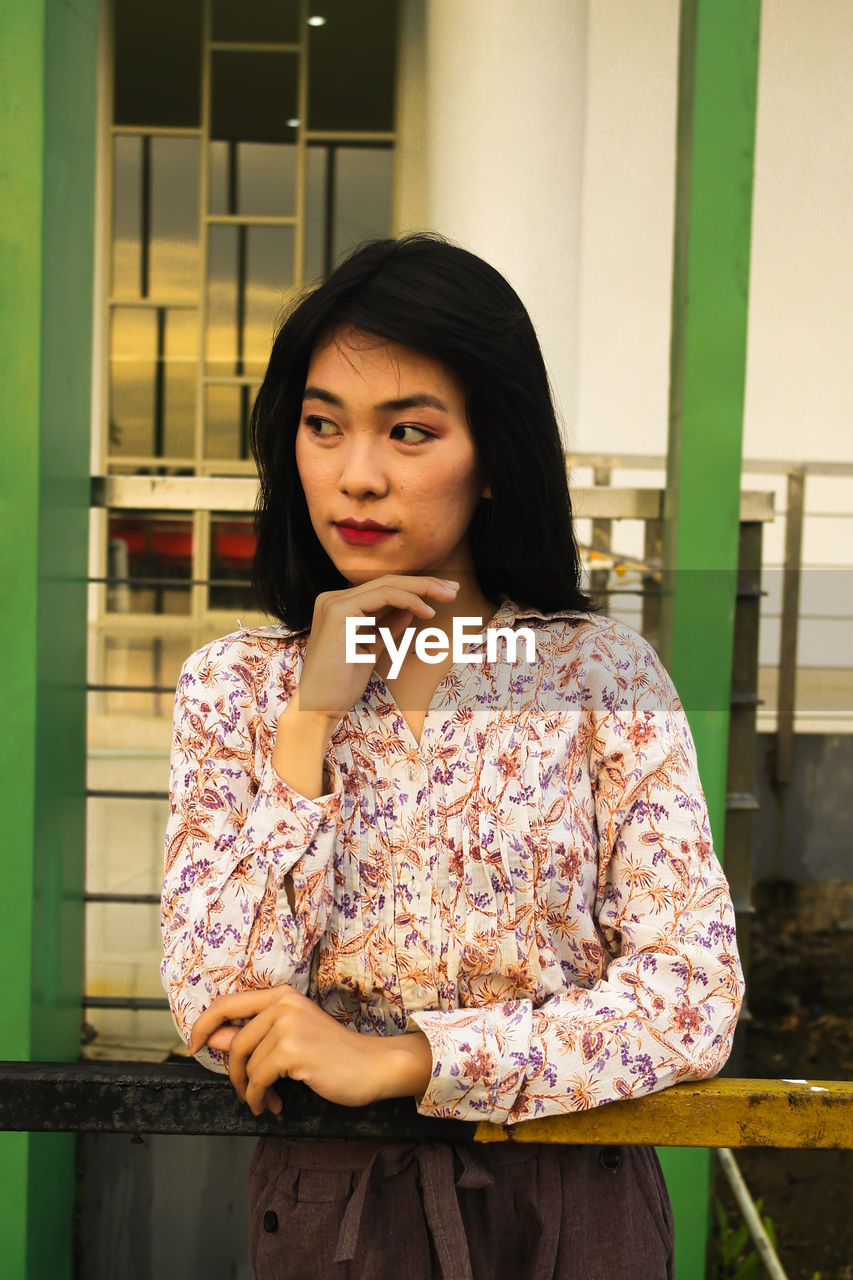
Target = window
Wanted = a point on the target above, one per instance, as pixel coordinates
(248, 151)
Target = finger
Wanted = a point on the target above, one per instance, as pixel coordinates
(273, 1102)
(380, 600)
(244, 1045)
(263, 1077)
(270, 1045)
(268, 1061)
(239, 1054)
(396, 600)
(402, 592)
(413, 581)
(420, 583)
(242, 1004)
(221, 1011)
(221, 1038)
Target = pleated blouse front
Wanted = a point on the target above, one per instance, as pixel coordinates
(534, 885)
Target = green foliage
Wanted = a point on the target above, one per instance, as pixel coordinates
(735, 1256)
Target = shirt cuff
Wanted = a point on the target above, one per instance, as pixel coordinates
(479, 1060)
(214, 1059)
(283, 824)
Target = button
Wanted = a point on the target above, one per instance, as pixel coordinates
(411, 773)
(611, 1159)
(270, 1220)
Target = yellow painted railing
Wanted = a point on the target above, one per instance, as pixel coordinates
(709, 1113)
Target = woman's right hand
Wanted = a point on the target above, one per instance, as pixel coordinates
(329, 685)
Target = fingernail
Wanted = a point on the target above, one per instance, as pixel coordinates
(448, 582)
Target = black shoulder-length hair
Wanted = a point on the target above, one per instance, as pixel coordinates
(427, 294)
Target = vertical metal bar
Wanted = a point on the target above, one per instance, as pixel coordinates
(741, 799)
(21, 212)
(791, 573)
(204, 237)
(652, 553)
(201, 558)
(102, 330)
(602, 540)
(201, 525)
(242, 234)
(157, 672)
(48, 69)
(245, 409)
(240, 318)
(330, 197)
(769, 1258)
(716, 138)
(232, 176)
(160, 386)
(301, 151)
(717, 88)
(145, 217)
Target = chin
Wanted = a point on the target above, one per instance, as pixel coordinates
(357, 577)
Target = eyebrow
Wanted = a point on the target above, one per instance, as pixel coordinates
(420, 400)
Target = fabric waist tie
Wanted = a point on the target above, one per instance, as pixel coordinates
(435, 1161)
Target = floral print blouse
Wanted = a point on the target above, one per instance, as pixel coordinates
(533, 886)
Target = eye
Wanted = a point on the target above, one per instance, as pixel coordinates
(315, 425)
(409, 426)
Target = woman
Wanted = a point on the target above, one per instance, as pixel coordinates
(485, 880)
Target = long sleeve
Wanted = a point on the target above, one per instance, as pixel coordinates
(666, 1005)
(235, 830)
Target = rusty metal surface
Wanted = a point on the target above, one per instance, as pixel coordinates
(131, 1097)
(708, 1113)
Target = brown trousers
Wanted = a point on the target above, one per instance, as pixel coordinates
(366, 1210)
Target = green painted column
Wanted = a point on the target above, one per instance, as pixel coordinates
(47, 125)
(717, 89)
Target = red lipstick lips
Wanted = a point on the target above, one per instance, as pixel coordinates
(363, 533)
(365, 524)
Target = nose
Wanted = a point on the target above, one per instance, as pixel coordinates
(363, 472)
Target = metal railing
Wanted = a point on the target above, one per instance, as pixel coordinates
(183, 1097)
(238, 494)
(795, 516)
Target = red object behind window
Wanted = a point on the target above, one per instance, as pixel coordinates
(234, 545)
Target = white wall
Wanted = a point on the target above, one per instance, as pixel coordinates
(627, 226)
(800, 363)
(800, 353)
(504, 106)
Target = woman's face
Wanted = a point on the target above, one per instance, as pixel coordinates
(384, 437)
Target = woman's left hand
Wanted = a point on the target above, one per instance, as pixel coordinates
(289, 1035)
